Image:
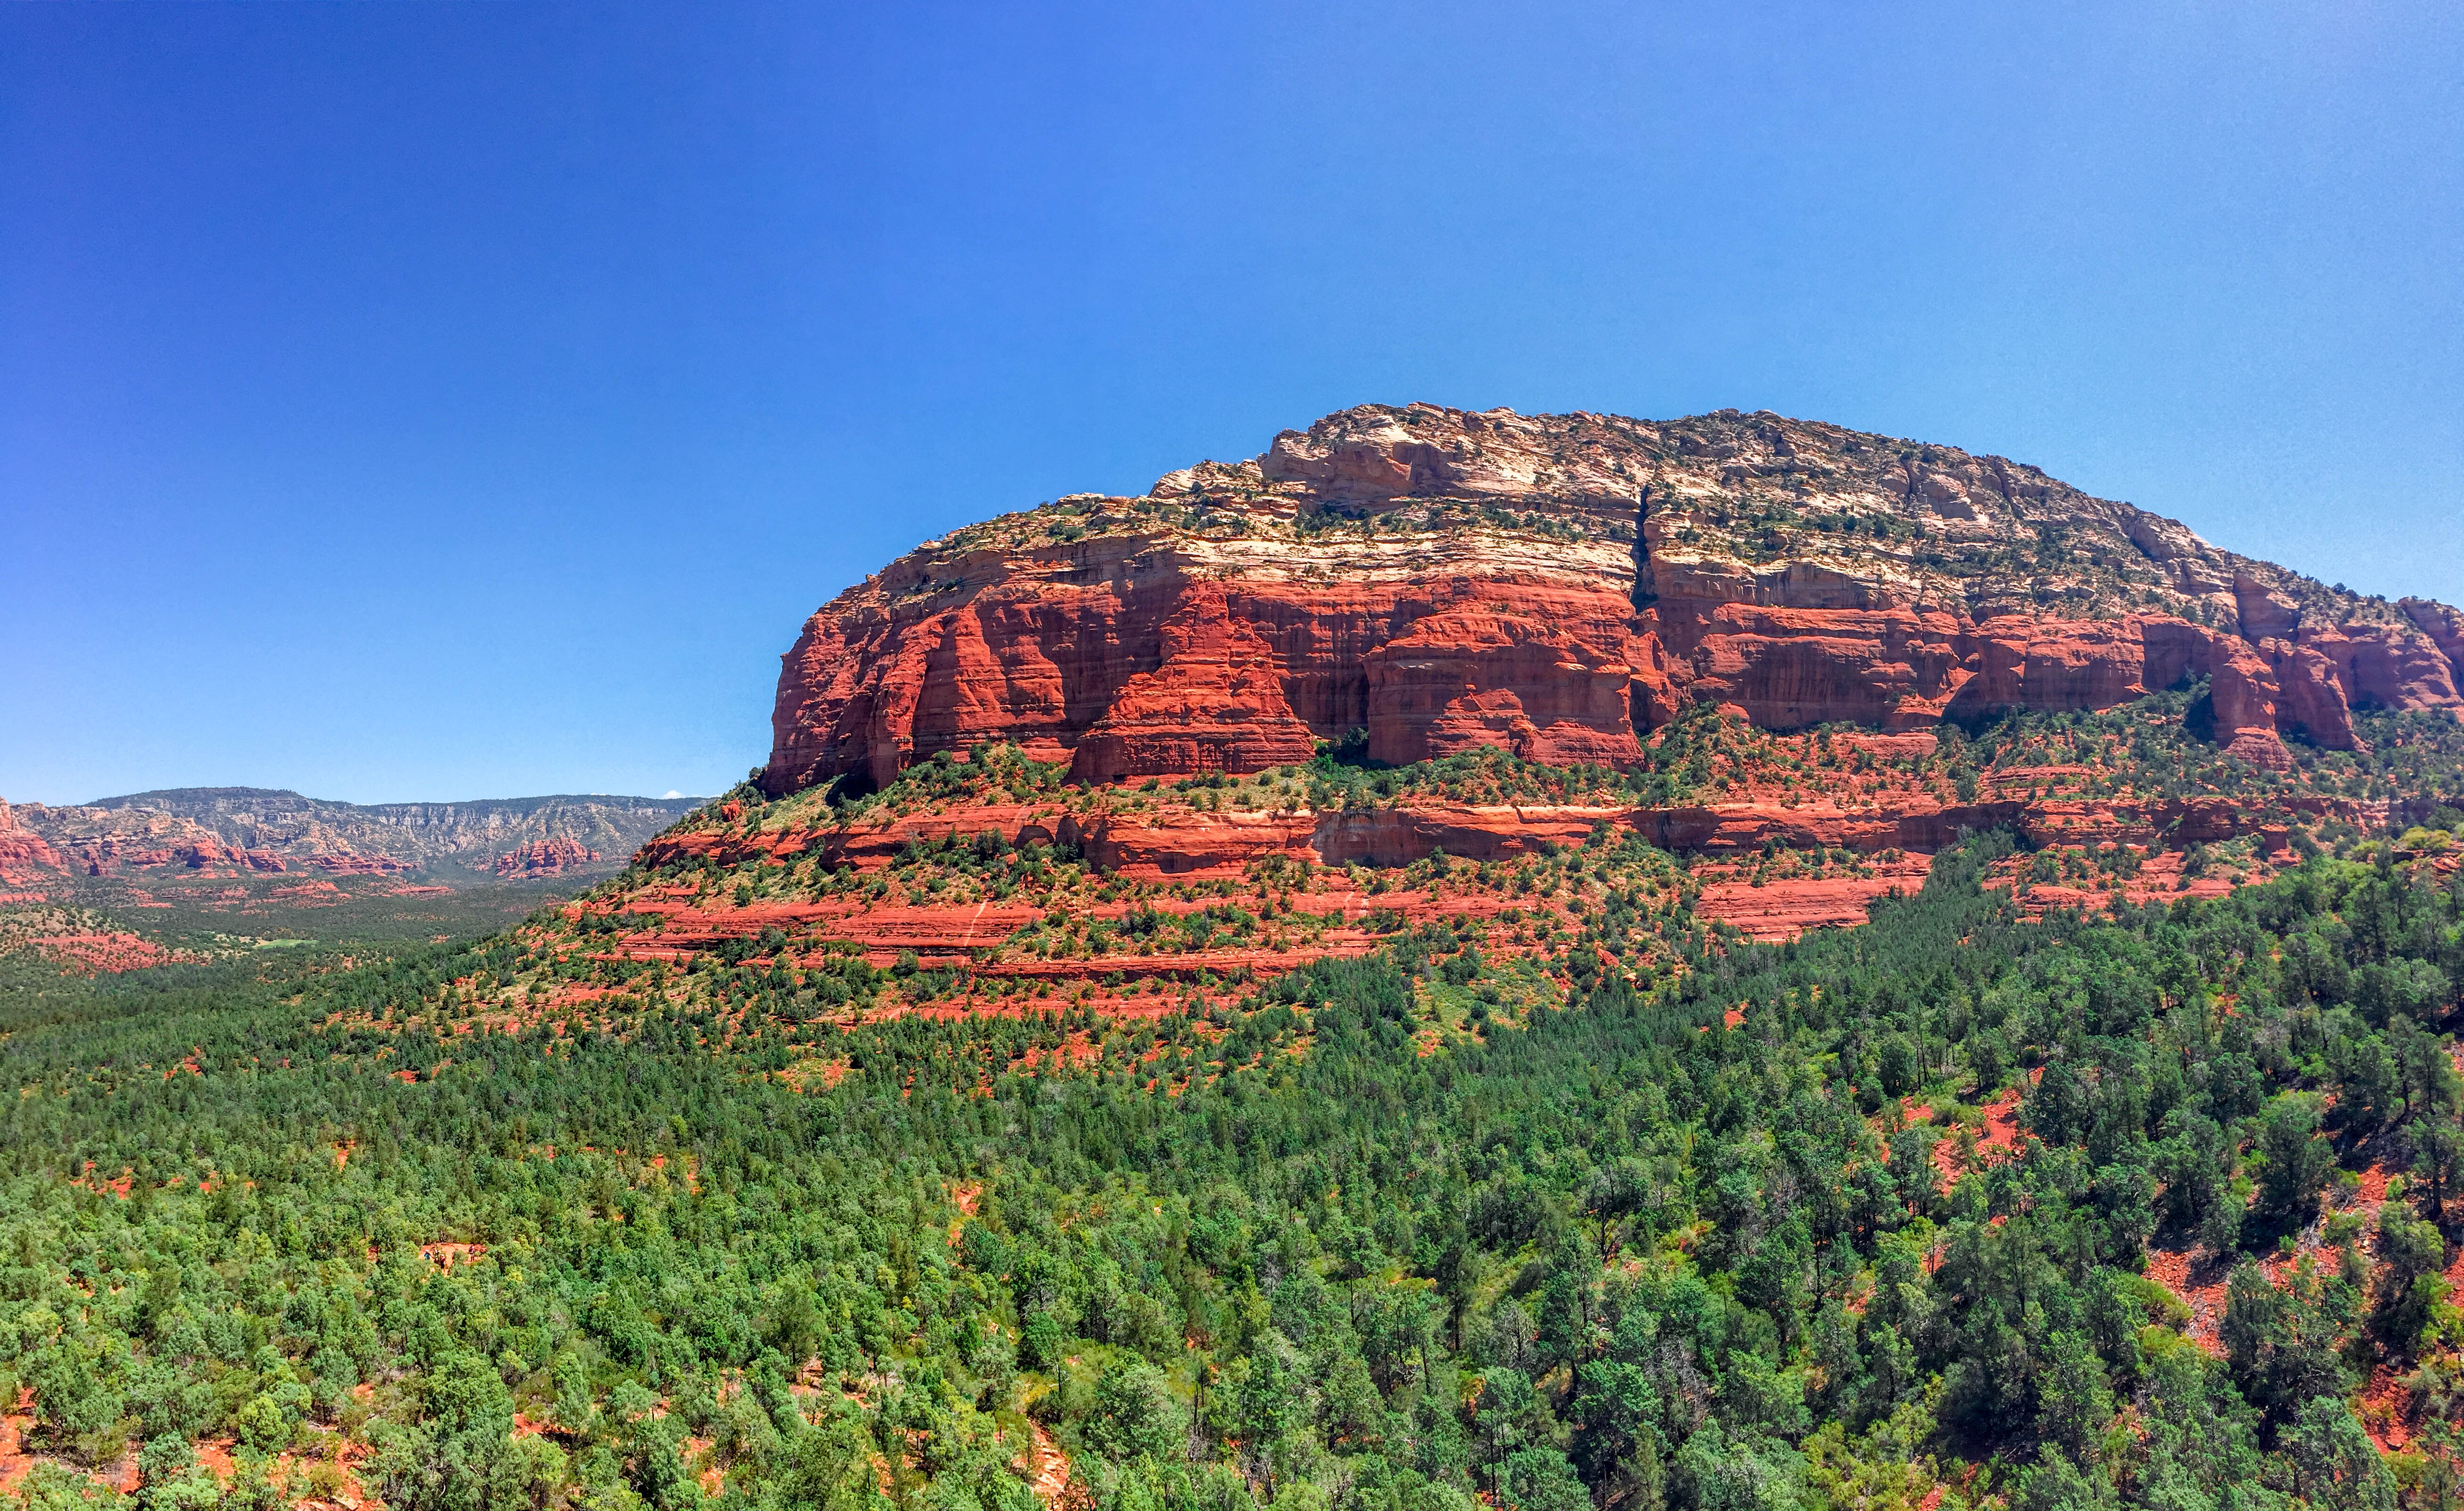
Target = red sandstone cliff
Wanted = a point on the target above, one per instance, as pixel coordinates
(1559, 585)
(24, 857)
(545, 858)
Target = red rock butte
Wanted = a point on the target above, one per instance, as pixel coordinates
(1559, 585)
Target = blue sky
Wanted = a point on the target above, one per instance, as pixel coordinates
(406, 402)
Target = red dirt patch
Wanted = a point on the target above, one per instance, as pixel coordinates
(1781, 909)
(14, 1463)
(2374, 1189)
(1046, 1467)
(120, 1185)
(2386, 1410)
(107, 954)
(121, 1475)
(696, 1450)
(2200, 1282)
(2001, 1130)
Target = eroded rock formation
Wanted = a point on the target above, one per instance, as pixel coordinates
(546, 858)
(1558, 585)
(24, 856)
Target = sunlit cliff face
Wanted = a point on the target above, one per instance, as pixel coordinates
(1558, 586)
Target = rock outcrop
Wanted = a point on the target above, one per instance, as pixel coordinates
(546, 858)
(1558, 586)
(1182, 842)
(24, 857)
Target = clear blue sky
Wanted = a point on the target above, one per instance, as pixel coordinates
(404, 402)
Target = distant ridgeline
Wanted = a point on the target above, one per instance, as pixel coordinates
(173, 873)
(245, 830)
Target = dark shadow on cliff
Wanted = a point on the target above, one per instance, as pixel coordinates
(1350, 748)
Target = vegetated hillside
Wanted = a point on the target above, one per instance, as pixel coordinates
(996, 870)
(1957, 1209)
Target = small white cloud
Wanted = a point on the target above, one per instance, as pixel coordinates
(671, 793)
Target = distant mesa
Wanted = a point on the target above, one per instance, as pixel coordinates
(1561, 587)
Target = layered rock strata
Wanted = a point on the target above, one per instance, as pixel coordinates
(1558, 585)
(24, 856)
(1183, 842)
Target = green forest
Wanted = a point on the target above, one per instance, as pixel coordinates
(1874, 1219)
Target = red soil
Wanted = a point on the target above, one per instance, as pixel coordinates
(1046, 1467)
(107, 952)
(2001, 1130)
(711, 1477)
(15, 1463)
(2199, 1280)
(215, 1454)
(2388, 1411)
(1778, 911)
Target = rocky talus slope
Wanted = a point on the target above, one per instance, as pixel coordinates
(1559, 586)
